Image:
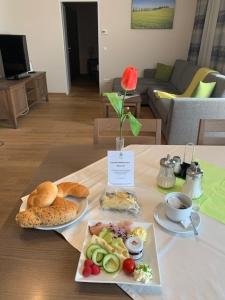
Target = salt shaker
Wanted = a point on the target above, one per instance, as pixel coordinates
(166, 177)
(177, 164)
(193, 184)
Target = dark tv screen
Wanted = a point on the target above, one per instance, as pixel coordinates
(14, 54)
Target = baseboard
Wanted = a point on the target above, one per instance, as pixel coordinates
(56, 94)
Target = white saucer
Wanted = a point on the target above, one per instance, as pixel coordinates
(175, 227)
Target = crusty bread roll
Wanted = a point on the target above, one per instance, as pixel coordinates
(60, 212)
(72, 189)
(43, 196)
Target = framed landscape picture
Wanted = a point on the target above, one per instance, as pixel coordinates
(152, 14)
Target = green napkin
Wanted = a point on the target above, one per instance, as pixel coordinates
(212, 201)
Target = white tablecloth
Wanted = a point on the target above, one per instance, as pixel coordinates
(191, 267)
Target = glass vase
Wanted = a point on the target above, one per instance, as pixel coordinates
(119, 143)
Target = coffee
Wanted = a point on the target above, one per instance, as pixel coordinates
(175, 202)
(178, 206)
(183, 206)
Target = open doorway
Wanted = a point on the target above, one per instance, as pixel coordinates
(80, 21)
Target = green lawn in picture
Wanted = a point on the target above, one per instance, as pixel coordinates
(156, 19)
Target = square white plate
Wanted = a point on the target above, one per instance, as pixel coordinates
(149, 257)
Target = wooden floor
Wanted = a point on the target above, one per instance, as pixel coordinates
(64, 120)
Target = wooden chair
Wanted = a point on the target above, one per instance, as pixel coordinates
(211, 132)
(106, 130)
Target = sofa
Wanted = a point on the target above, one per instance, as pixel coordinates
(180, 116)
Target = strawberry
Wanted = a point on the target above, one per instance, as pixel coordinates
(88, 262)
(95, 270)
(87, 271)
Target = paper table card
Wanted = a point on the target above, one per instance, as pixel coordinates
(121, 168)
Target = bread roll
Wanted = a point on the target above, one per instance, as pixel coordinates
(60, 212)
(72, 189)
(43, 195)
(46, 205)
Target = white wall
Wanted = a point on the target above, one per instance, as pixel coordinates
(142, 48)
(41, 22)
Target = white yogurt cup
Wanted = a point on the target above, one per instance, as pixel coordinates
(135, 247)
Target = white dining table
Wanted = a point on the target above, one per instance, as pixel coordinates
(191, 267)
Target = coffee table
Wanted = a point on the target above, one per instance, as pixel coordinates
(133, 102)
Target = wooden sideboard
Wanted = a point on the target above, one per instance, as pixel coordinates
(17, 96)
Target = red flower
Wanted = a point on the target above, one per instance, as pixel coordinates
(129, 79)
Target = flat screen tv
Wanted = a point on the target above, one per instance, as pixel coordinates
(14, 55)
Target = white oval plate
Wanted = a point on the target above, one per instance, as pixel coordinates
(83, 204)
(175, 227)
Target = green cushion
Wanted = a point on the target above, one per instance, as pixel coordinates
(204, 89)
(163, 72)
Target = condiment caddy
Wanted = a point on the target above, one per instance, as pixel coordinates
(182, 166)
(170, 168)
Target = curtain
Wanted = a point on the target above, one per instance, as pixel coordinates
(207, 46)
(213, 8)
(218, 49)
(196, 39)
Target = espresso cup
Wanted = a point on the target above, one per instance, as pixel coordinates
(178, 206)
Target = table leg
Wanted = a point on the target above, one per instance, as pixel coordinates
(138, 110)
(106, 110)
(15, 123)
(12, 113)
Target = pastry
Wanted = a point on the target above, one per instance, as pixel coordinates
(120, 201)
(46, 192)
(72, 189)
(43, 196)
